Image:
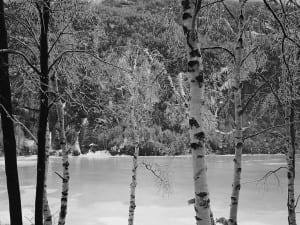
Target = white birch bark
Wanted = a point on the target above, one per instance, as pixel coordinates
(236, 185)
(291, 145)
(133, 118)
(290, 158)
(133, 184)
(65, 161)
(196, 107)
(65, 164)
(46, 208)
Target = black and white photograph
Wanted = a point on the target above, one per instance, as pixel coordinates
(149, 112)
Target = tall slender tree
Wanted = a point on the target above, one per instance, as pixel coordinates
(290, 97)
(290, 46)
(133, 120)
(237, 88)
(9, 142)
(291, 152)
(133, 184)
(190, 10)
(46, 207)
(63, 144)
(43, 8)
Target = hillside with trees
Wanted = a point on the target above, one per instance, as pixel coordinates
(96, 92)
(148, 78)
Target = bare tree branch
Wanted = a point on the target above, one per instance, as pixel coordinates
(158, 174)
(272, 89)
(10, 51)
(229, 12)
(252, 96)
(24, 44)
(267, 129)
(280, 24)
(19, 122)
(297, 201)
(267, 175)
(60, 33)
(255, 93)
(220, 48)
(249, 53)
(59, 175)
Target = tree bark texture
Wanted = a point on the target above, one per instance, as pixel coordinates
(290, 157)
(9, 141)
(44, 15)
(238, 138)
(46, 207)
(133, 184)
(65, 156)
(291, 147)
(196, 107)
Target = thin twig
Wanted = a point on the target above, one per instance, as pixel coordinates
(59, 175)
(297, 201)
(280, 24)
(267, 175)
(228, 10)
(249, 53)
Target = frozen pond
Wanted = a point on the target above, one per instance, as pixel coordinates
(99, 190)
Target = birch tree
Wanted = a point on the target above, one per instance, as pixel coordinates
(237, 88)
(135, 118)
(190, 10)
(63, 144)
(133, 184)
(290, 47)
(46, 207)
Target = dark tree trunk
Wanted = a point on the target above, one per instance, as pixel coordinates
(44, 15)
(9, 142)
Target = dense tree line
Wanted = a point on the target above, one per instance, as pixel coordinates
(106, 30)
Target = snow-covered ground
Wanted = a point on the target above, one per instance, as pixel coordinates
(99, 190)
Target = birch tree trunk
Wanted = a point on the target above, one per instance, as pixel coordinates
(196, 107)
(9, 141)
(133, 184)
(290, 157)
(291, 146)
(46, 208)
(65, 160)
(236, 185)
